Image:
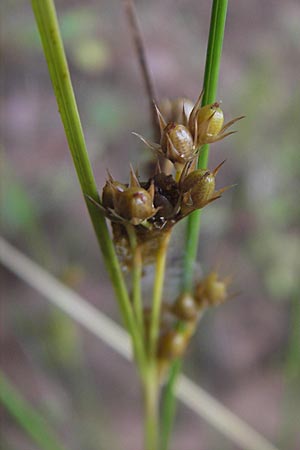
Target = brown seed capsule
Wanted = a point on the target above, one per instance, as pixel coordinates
(108, 193)
(177, 143)
(198, 189)
(212, 290)
(206, 123)
(135, 204)
(200, 186)
(185, 307)
(172, 344)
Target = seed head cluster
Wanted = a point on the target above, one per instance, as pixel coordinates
(152, 207)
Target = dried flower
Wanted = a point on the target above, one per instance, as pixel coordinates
(177, 110)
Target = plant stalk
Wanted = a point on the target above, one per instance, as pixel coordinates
(169, 404)
(136, 274)
(157, 293)
(47, 22)
(151, 384)
(211, 75)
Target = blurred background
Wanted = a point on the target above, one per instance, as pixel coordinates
(246, 352)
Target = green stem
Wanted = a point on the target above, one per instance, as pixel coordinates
(136, 274)
(48, 26)
(212, 67)
(157, 293)
(169, 404)
(151, 385)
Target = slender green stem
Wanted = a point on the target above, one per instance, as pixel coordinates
(169, 404)
(48, 26)
(212, 67)
(157, 293)
(27, 417)
(151, 384)
(136, 274)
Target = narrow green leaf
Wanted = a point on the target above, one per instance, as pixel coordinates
(27, 417)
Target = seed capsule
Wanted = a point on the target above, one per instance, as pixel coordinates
(135, 204)
(212, 290)
(198, 189)
(185, 307)
(172, 344)
(200, 186)
(206, 123)
(108, 193)
(177, 143)
(215, 117)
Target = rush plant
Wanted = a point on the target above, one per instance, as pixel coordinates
(143, 213)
